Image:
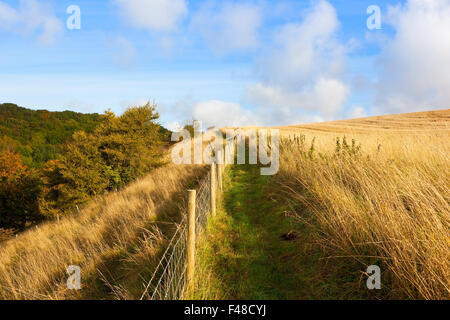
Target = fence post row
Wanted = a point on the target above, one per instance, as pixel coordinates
(168, 272)
(216, 173)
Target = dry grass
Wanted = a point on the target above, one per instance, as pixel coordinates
(114, 240)
(388, 203)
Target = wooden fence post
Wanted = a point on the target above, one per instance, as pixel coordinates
(191, 240)
(220, 170)
(213, 188)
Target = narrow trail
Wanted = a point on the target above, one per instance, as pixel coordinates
(252, 250)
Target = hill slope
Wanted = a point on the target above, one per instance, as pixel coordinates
(37, 135)
(386, 203)
(351, 194)
(116, 240)
(379, 197)
(435, 121)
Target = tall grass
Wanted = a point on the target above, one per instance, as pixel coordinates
(115, 240)
(385, 201)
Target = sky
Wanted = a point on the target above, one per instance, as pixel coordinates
(247, 62)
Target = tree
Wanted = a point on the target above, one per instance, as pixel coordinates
(129, 144)
(117, 152)
(8, 144)
(20, 189)
(38, 136)
(75, 177)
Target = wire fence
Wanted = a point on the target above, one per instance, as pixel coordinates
(168, 281)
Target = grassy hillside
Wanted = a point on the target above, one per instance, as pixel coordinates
(115, 240)
(38, 135)
(386, 204)
(342, 200)
(387, 132)
(353, 193)
(409, 123)
(106, 153)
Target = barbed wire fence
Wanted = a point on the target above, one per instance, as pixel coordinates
(170, 278)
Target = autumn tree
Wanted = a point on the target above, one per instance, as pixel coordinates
(20, 188)
(121, 149)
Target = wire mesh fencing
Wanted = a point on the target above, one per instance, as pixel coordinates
(203, 203)
(169, 280)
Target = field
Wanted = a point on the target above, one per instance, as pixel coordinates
(349, 194)
(115, 240)
(388, 202)
(379, 195)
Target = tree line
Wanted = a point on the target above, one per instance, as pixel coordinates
(39, 135)
(103, 154)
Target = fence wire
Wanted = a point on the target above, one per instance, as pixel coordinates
(168, 281)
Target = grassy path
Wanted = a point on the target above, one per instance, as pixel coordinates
(244, 254)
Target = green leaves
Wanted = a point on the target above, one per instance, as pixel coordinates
(38, 135)
(117, 152)
(107, 153)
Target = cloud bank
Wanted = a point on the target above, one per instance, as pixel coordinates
(29, 18)
(415, 63)
(300, 75)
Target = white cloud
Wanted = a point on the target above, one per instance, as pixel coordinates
(30, 17)
(415, 63)
(326, 96)
(228, 26)
(357, 112)
(8, 15)
(80, 106)
(215, 113)
(220, 114)
(301, 76)
(153, 15)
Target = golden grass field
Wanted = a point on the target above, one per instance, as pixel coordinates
(388, 203)
(114, 240)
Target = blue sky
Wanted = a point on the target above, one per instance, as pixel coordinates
(227, 62)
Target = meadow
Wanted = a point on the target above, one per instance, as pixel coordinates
(349, 194)
(116, 240)
(381, 196)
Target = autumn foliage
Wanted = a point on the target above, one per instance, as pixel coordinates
(19, 192)
(121, 149)
(115, 153)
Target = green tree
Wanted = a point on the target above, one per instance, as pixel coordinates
(75, 177)
(121, 149)
(129, 144)
(39, 135)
